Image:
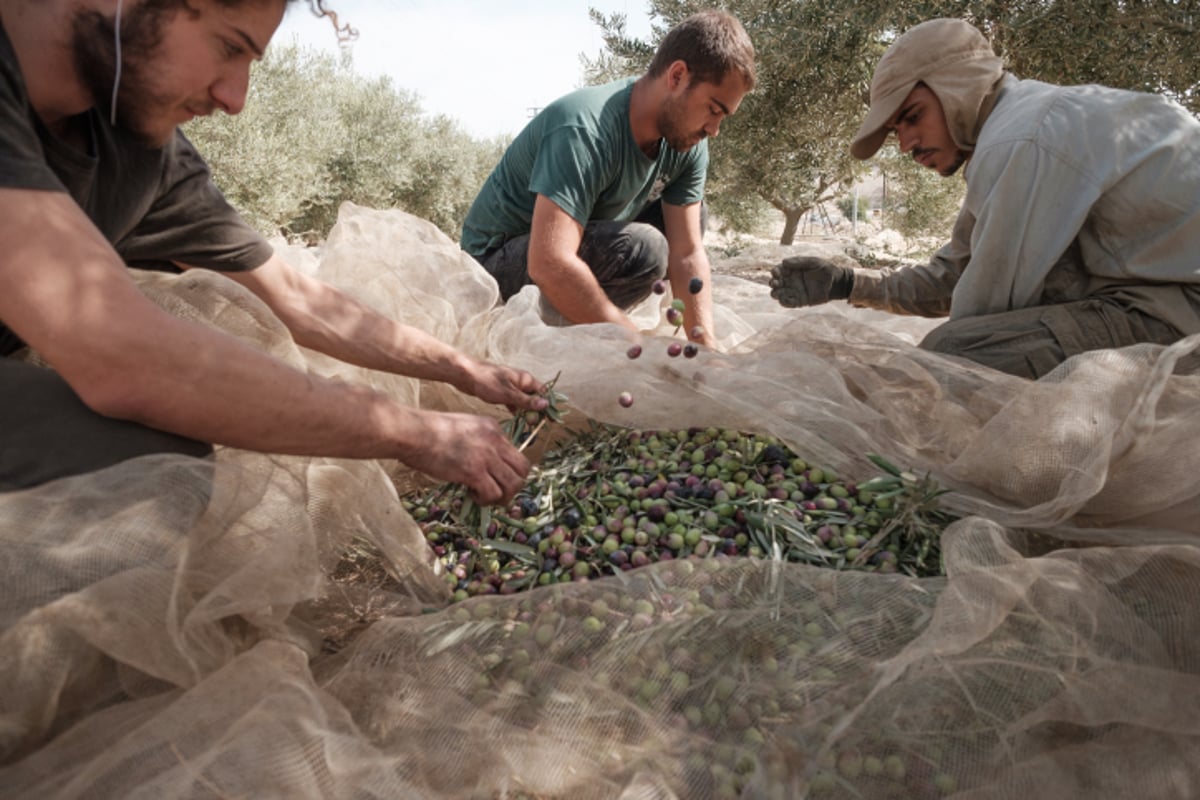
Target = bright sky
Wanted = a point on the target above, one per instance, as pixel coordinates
(485, 63)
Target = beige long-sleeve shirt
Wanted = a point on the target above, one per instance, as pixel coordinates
(1071, 192)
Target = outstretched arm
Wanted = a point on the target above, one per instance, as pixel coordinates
(325, 319)
(69, 296)
(561, 275)
(687, 261)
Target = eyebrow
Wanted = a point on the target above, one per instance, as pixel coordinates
(258, 51)
(902, 113)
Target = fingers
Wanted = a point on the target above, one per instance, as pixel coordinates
(471, 450)
(516, 389)
(804, 263)
(526, 395)
(784, 290)
(525, 382)
(498, 486)
(789, 298)
(801, 281)
(504, 477)
(776, 276)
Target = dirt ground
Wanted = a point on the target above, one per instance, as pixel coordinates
(752, 257)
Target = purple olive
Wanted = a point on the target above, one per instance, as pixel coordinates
(674, 349)
(697, 332)
(659, 287)
(625, 399)
(690, 350)
(634, 351)
(695, 285)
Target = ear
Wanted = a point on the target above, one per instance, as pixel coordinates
(678, 75)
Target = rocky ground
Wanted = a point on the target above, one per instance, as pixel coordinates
(752, 257)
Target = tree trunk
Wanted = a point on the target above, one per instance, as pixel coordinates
(791, 221)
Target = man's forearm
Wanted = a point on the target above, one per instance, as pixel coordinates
(698, 306)
(321, 317)
(570, 286)
(204, 384)
(903, 290)
(249, 399)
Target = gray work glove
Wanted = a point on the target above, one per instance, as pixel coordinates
(809, 281)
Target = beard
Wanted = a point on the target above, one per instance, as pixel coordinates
(958, 162)
(139, 101)
(670, 124)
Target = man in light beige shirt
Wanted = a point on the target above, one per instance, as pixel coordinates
(1081, 225)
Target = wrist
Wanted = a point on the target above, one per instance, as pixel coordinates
(460, 372)
(843, 284)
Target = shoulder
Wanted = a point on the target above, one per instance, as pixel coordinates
(1032, 117)
(1051, 114)
(594, 108)
(1021, 110)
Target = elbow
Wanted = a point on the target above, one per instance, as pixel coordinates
(113, 398)
(539, 269)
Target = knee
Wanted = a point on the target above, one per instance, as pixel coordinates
(648, 250)
(940, 340)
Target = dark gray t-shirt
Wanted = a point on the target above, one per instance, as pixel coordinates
(154, 205)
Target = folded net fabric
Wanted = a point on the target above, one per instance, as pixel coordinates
(165, 623)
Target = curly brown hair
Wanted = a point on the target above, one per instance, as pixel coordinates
(345, 32)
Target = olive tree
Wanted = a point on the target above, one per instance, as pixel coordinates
(314, 134)
(270, 161)
(788, 145)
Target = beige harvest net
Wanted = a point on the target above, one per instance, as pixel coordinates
(161, 622)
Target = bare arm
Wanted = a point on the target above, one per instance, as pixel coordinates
(689, 260)
(327, 320)
(561, 275)
(69, 296)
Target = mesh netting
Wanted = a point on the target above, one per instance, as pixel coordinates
(164, 623)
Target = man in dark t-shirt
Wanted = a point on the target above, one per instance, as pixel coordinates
(94, 175)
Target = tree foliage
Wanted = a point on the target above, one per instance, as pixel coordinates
(917, 202)
(314, 134)
(788, 145)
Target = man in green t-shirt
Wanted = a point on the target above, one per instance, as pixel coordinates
(94, 175)
(601, 194)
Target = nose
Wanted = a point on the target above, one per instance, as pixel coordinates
(713, 128)
(905, 138)
(229, 90)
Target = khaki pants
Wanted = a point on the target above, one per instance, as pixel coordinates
(49, 433)
(1030, 342)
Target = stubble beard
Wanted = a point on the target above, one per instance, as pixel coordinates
(670, 128)
(138, 99)
(960, 159)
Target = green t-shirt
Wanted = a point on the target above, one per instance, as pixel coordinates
(153, 205)
(580, 153)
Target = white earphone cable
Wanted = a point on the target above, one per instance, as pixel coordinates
(117, 76)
